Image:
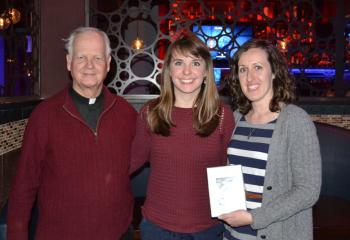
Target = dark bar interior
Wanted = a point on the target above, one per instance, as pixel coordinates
(314, 36)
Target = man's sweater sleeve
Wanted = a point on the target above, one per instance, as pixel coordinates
(27, 180)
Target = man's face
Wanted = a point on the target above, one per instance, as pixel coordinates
(88, 63)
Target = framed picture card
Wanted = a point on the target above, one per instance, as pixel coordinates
(226, 189)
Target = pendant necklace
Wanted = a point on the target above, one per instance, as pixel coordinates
(251, 132)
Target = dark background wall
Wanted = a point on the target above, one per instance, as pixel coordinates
(58, 19)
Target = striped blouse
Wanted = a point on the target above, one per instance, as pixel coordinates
(249, 147)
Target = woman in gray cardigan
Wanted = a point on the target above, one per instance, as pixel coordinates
(277, 146)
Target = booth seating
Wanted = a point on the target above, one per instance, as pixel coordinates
(332, 211)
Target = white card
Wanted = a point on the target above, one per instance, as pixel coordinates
(226, 189)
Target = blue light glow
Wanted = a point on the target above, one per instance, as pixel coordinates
(320, 73)
(218, 74)
(324, 74)
(29, 44)
(222, 37)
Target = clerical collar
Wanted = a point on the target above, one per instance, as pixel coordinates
(83, 100)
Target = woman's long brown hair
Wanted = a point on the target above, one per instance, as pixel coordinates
(206, 106)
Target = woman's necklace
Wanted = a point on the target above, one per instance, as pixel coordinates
(266, 117)
(251, 132)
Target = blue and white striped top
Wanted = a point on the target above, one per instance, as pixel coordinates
(249, 147)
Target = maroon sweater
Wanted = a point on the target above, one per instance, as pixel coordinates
(79, 176)
(177, 194)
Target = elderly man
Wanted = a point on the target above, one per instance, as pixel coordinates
(75, 154)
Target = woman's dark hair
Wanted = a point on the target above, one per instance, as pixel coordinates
(283, 82)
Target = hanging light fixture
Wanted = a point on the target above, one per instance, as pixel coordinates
(138, 43)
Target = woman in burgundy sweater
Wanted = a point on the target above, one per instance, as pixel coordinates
(181, 133)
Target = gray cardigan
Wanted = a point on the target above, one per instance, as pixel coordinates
(292, 181)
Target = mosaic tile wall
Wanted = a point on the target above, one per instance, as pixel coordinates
(336, 120)
(11, 135)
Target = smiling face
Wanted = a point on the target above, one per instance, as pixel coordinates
(88, 63)
(187, 73)
(255, 76)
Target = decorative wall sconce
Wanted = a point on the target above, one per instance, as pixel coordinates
(4, 22)
(15, 15)
(8, 17)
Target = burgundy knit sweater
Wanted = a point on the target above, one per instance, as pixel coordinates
(177, 193)
(80, 176)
